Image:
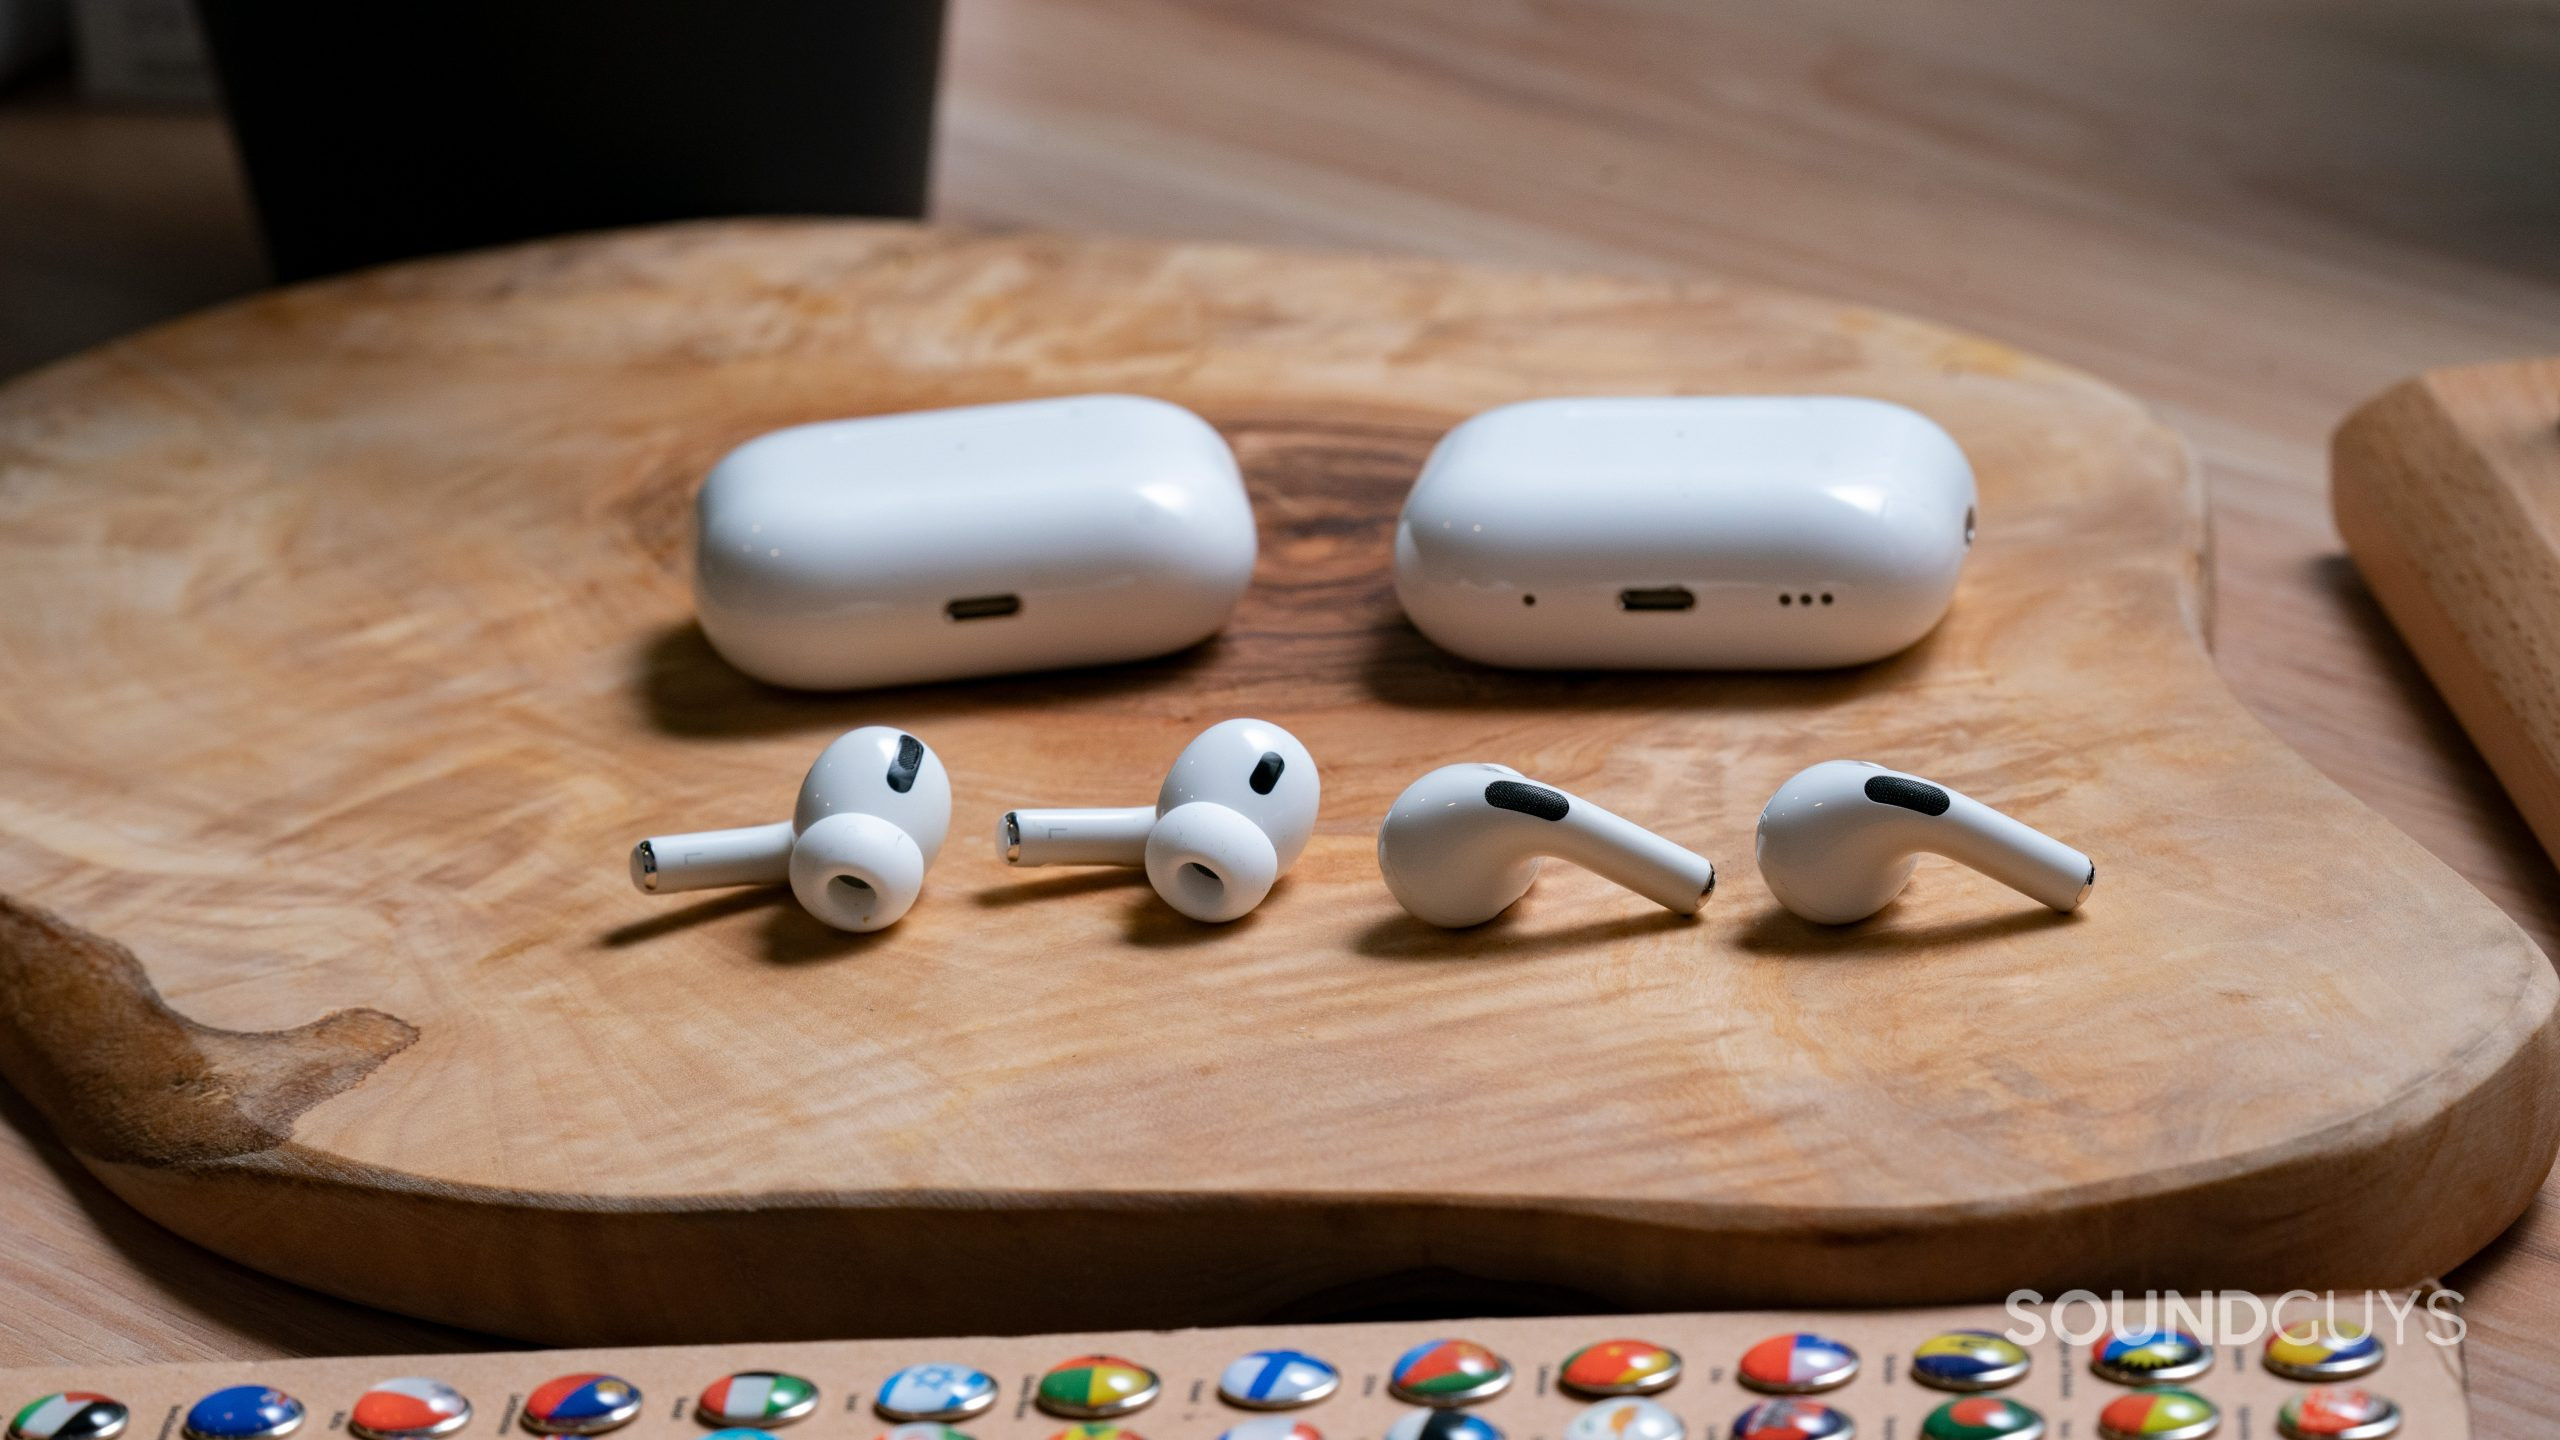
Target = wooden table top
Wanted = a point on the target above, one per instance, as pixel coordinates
(2253, 213)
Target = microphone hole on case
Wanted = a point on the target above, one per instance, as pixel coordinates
(983, 607)
(1657, 597)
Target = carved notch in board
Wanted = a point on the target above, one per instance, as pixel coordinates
(123, 1077)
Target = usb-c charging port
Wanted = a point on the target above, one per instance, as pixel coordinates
(983, 607)
(1661, 597)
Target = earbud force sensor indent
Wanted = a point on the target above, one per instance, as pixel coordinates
(871, 817)
(1838, 842)
(1232, 817)
(977, 541)
(1700, 532)
(1463, 842)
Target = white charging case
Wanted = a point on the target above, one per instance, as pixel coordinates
(1692, 532)
(975, 541)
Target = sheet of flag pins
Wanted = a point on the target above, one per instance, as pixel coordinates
(1923, 1375)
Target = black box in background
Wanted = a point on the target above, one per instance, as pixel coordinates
(373, 130)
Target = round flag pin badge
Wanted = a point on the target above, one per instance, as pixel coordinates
(1625, 1417)
(412, 1407)
(70, 1415)
(2332, 1413)
(585, 1403)
(1442, 1425)
(1620, 1367)
(1444, 1373)
(1797, 1364)
(1272, 1427)
(2160, 1414)
(923, 1430)
(244, 1412)
(1982, 1417)
(1096, 1387)
(1967, 1360)
(937, 1392)
(1277, 1380)
(1792, 1420)
(756, 1399)
(2318, 1350)
(2149, 1356)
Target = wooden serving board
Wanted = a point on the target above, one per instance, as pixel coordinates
(349, 649)
(2447, 490)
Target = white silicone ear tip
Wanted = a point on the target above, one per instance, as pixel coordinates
(1209, 862)
(856, 872)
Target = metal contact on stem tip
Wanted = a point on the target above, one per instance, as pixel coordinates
(1012, 838)
(644, 867)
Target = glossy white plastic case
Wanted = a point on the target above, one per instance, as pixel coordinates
(1686, 532)
(976, 541)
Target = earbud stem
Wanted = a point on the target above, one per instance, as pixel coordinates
(712, 859)
(1620, 850)
(2014, 853)
(1076, 837)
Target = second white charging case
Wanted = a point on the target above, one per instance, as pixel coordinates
(974, 541)
(1686, 532)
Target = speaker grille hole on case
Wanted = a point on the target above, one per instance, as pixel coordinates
(983, 607)
(1657, 597)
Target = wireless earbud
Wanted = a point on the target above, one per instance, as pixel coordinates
(1838, 842)
(1232, 818)
(1463, 842)
(871, 817)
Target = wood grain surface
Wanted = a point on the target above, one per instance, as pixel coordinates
(2253, 213)
(395, 996)
(2445, 491)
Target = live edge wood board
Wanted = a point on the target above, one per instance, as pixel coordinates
(348, 649)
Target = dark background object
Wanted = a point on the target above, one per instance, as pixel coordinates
(394, 128)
